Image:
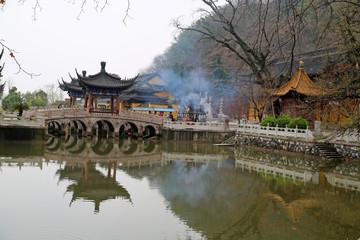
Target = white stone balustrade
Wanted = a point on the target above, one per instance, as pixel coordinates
(347, 137)
(14, 120)
(276, 131)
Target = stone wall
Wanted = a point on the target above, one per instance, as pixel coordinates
(349, 150)
(22, 133)
(296, 145)
(278, 143)
(196, 136)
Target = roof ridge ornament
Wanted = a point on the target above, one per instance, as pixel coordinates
(103, 65)
(301, 65)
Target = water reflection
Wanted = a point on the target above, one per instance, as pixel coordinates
(249, 194)
(91, 185)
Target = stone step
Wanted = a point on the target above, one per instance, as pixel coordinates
(329, 152)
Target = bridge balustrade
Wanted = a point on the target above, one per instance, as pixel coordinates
(64, 112)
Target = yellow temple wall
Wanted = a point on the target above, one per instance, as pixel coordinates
(162, 94)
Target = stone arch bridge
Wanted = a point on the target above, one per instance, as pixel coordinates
(79, 121)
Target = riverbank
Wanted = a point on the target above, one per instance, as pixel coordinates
(298, 145)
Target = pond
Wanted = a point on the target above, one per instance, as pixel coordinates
(102, 188)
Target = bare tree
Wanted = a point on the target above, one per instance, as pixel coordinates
(273, 32)
(340, 79)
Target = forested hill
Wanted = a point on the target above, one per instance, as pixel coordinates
(273, 31)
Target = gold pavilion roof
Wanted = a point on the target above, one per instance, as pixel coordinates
(300, 83)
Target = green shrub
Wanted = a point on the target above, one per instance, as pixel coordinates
(300, 122)
(283, 120)
(268, 120)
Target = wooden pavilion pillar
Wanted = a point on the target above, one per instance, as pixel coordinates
(90, 103)
(71, 99)
(74, 102)
(112, 104)
(117, 105)
(85, 103)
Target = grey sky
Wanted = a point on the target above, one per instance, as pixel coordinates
(57, 42)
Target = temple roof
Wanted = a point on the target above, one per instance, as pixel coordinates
(144, 98)
(72, 86)
(147, 83)
(104, 79)
(300, 83)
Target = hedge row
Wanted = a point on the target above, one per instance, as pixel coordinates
(284, 120)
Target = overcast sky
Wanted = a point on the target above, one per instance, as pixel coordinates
(57, 42)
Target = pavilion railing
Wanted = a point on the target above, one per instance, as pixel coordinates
(275, 131)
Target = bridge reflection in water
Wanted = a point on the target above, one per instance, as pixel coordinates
(252, 194)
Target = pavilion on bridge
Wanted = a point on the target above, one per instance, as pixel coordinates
(108, 93)
(91, 88)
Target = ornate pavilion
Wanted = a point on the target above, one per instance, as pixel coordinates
(294, 91)
(93, 87)
(105, 92)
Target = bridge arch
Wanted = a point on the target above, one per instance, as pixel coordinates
(81, 122)
(129, 129)
(54, 127)
(103, 127)
(149, 131)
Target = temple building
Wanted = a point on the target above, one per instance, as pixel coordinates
(290, 95)
(105, 92)
(291, 99)
(149, 94)
(99, 86)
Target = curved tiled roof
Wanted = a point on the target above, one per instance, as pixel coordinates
(72, 86)
(300, 83)
(105, 80)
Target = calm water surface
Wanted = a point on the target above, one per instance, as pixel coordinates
(125, 189)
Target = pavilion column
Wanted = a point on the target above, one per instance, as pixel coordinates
(71, 98)
(74, 101)
(90, 102)
(112, 104)
(85, 103)
(96, 102)
(117, 105)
